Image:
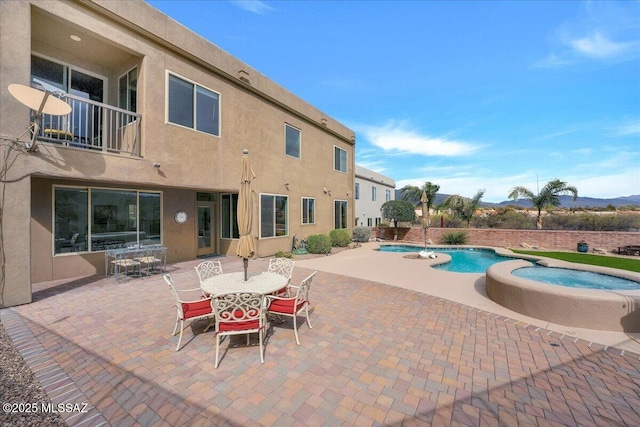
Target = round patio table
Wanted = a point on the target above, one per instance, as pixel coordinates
(263, 283)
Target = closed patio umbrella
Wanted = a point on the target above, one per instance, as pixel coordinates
(246, 245)
(425, 215)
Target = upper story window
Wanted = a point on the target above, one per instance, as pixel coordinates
(291, 141)
(387, 195)
(339, 159)
(193, 106)
(128, 90)
(357, 190)
(374, 193)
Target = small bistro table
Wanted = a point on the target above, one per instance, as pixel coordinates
(263, 283)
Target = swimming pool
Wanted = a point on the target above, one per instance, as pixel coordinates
(463, 260)
(575, 278)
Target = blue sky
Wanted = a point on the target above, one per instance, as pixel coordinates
(467, 95)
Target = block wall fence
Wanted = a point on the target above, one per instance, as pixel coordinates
(542, 239)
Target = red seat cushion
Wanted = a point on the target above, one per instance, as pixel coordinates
(197, 308)
(285, 306)
(238, 326)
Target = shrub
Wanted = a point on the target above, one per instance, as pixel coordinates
(281, 254)
(340, 237)
(361, 234)
(454, 238)
(319, 244)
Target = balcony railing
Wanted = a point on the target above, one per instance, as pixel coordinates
(93, 125)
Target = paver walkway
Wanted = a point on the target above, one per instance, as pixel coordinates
(377, 355)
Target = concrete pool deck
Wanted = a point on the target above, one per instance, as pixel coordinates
(378, 355)
(394, 268)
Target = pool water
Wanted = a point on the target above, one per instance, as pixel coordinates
(463, 260)
(575, 278)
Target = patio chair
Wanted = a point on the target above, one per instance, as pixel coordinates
(208, 269)
(293, 303)
(284, 267)
(188, 310)
(239, 313)
(152, 259)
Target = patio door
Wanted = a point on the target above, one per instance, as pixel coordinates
(206, 228)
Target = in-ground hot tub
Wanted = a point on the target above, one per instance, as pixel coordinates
(609, 310)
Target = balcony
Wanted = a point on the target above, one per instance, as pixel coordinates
(94, 126)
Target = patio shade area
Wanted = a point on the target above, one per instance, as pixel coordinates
(377, 355)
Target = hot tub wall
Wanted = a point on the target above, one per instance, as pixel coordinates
(583, 308)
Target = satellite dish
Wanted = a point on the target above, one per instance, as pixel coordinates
(42, 103)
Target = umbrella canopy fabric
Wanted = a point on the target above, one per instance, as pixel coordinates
(246, 245)
(425, 209)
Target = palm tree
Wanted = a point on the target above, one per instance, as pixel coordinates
(548, 196)
(462, 207)
(413, 194)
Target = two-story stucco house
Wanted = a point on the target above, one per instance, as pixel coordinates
(372, 189)
(151, 152)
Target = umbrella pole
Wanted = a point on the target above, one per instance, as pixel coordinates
(245, 262)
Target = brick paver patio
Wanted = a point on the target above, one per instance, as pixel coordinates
(377, 355)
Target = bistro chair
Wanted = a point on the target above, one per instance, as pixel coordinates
(283, 267)
(152, 258)
(208, 269)
(188, 309)
(294, 302)
(239, 313)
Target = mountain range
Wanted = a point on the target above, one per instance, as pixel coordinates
(566, 201)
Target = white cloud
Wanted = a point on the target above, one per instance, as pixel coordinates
(628, 129)
(394, 138)
(599, 47)
(254, 6)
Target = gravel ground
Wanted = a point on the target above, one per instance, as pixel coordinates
(18, 385)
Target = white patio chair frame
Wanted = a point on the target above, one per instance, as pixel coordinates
(208, 269)
(180, 316)
(235, 310)
(281, 266)
(299, 303)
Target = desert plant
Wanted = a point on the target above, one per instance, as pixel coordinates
(281, 254)
(361, 234)
(319, 244)
(454, 238)
(340, 237)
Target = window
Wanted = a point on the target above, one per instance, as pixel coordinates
(357, 190)
(273, 215)
(387, 195)
(374, 193)
(340, 159)
(128, 91)
(291, 141)
(193, 106)
(230, 216)
(308, 210)
(369, 222)
(95, 219)
(340, 213)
